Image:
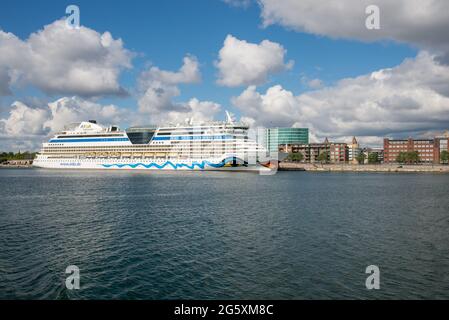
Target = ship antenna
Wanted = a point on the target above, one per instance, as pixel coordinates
(229, 117)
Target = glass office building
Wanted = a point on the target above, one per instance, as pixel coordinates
(279, 136)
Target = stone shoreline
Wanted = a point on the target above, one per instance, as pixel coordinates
(288, 166)
(16, 166)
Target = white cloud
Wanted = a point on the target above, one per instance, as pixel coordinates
(422, 23)
(314, 83)
(243, 63)
(4, 82)
(68, 110)
(59, 60)
(158, 98)
(24, 121)
(194, 109)
(157, 103)
(160, 87)
(27, 127)
(277, 107)
(410, 98)
(188, 73)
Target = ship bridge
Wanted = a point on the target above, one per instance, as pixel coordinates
(141, 134)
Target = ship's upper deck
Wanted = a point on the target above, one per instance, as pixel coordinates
(88, 128)
(90, 132)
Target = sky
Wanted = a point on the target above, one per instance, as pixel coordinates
(298, 63)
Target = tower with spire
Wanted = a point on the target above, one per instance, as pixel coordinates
(354, 150)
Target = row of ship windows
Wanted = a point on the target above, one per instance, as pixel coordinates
(199, 132)
(90, 136)
(185, 142)
(109, 160)
(150, 148)
(185, 156)
(187, 129)
(148, 151)
(172, 139)
(170, 152)
(180, 156)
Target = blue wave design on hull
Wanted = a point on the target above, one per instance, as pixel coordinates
(201, 165)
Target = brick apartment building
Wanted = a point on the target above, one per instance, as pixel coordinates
(337, 152)
(428, 149)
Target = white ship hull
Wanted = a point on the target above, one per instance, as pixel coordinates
(142, 164)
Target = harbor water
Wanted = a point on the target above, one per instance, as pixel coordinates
(223, 235)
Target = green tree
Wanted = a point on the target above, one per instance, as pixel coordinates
(408, 157)
(444, 157)
(401, 157)
(295, 157)
(412, 157)
(373, 157)
(5, 156)
(361, 158)
(323, 157)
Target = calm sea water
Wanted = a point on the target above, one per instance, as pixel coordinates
(212, 235)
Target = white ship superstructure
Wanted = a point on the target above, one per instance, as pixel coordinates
(208, 146)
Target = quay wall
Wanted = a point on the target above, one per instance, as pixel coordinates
(291, 166)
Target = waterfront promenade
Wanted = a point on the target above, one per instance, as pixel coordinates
(292, 166)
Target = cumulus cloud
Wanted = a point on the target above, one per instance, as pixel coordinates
(312, 83)
(315, 83)
(188, 73)
(421, 23)
(410, 98)
(27, 127)
(68, 110)
(158, 98)
(60, 60)
(243, 63)
(274, 108)
(160, 87)
(194, 109)
(24, 121)
(4, 82)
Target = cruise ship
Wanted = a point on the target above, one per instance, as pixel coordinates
(205, 146)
